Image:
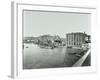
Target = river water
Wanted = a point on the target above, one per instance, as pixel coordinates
(36, 57)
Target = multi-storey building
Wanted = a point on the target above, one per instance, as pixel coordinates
(77, 40)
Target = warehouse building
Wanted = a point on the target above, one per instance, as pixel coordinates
(77, 40)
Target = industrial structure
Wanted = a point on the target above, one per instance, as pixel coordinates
(77, 40)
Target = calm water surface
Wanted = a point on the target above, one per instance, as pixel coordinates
(36, 57)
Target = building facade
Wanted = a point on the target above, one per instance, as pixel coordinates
(77, 40)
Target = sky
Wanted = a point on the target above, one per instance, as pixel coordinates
(38, 23)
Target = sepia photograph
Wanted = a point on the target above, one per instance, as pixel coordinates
(54, 39)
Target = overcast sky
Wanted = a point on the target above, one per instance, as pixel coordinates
(38, 23)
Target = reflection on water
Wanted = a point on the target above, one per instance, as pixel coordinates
(36, 57)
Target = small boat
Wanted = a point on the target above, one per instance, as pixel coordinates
(78, 55)
(27, 47)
